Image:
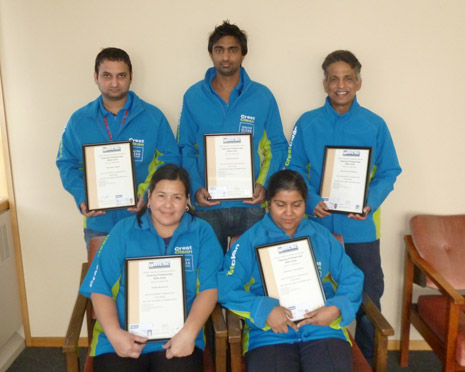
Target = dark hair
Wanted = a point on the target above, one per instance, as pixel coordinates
(170, 172)
(287, 180)
(228, 29)
(344, 56)
(112, 54)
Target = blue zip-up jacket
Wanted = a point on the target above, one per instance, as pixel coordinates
(194, 238)
(241, 288)
(251, 109)
(358, 127)
(153, 143)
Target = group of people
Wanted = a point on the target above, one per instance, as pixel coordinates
(175, 213)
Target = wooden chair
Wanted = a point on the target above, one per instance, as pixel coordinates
(212, 360)
(382, 330)
(435, 258)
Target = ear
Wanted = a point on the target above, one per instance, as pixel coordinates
(95, 77)
(358, 85)
(325, 86)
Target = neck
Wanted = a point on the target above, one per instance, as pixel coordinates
(224, 85)
(114, 105)
(164, 231)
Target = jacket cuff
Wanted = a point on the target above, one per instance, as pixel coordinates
(261, 309)
(346, 308)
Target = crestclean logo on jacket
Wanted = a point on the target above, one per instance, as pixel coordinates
(137, 148)
(188, 256)
(246, 124)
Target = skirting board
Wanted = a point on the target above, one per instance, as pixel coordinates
(54, 342)
(10, 351)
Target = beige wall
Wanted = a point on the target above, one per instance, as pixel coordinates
(412, 54)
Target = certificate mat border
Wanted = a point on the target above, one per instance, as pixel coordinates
(367, 177)
(286, 242)
(84, 159)
(251, 162)
(126, 268)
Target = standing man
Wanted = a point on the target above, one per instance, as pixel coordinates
(227, 101)
(116, 115)
(343, 122)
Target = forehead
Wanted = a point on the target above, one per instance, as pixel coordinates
(340, 68)
(227, 41)
(288, 196)
(113, 66)
(170, 186)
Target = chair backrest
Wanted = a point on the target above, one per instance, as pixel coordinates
(440, 240)
(94, 245)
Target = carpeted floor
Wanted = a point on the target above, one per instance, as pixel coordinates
(34, 359)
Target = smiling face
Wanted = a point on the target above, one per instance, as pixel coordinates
(167, 203)
(113, 80)
(341, 86)
(287, 208)
(227, 56)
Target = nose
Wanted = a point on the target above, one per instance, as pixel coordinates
(341, 83)
(114, 81)
(288, 210)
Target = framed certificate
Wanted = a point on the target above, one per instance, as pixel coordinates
(155, 296)
(345, 178)
(289, 273)
(229, 173)
(109, 175)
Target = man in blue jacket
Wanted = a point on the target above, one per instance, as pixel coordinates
(116, 115)
(227, 101)
(343, 122)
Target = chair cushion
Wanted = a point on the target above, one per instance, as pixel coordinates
(433, 310)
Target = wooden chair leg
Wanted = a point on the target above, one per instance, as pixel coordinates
(406, 303)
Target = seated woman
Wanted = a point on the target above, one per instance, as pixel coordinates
(271, 340)
(162, 227)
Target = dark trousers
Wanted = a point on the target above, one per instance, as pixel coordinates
(150, 362)
(229, 222)
(367, 257)
(325, 355)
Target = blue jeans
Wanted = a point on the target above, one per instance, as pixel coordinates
(367, 257)
(229, 222)
(89, 234)
(324, 355)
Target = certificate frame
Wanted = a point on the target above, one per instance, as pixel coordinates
(109, 181)
(345, 178)
(229, 166)
(156, 307)
(290, 274)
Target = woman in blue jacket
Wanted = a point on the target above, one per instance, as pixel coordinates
(271, 340)
(162, 227)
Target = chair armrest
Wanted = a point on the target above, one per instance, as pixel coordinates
(77, 319)
(234, 327)
(436, 277)
(382, 326)
(219, 324)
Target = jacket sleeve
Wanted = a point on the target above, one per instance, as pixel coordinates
(347, 281)
(166, 152)
(70, 164)
(297, 160)
(186, 136)
(210, 259)
(386, 169)
(234, 283)
(107, 267)
(273, 145)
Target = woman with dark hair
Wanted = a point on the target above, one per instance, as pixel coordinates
(271, 340)
(162, 227)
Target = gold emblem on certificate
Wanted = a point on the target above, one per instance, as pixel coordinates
(155, 296)
(109, 175)
(229, 166)
(344, 184)
(289, 273)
